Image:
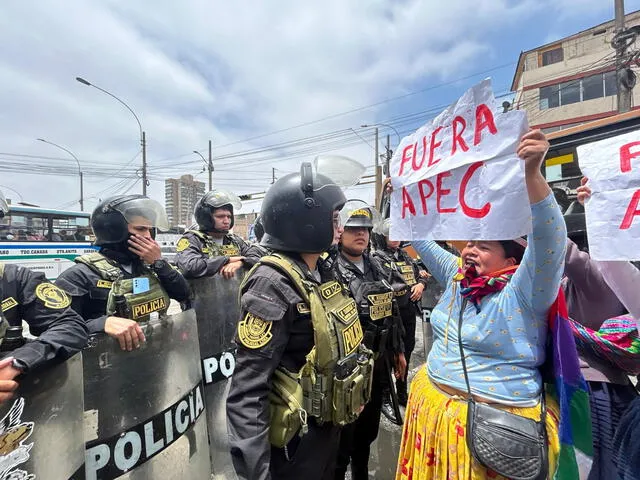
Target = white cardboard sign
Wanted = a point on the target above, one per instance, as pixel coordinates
(613, 211)
(459, 178)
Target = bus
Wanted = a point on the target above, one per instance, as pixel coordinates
(44, 240)
(561, 167)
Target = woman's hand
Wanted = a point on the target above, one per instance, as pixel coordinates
(584, 192)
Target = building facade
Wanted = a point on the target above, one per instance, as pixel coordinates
(571, 81)
(181, 195)
(243, 225)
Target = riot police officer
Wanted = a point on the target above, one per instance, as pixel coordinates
(414, 279)
(211, 249)
(256, 250)
(374, 295)
(301, 371)
(27, 295)
(126, 281)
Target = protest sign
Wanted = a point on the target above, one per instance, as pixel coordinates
(459, 178)
(613, 211)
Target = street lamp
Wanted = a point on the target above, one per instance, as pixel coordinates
(143, 137)
(79, 169)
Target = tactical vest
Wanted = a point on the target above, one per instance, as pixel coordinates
(401, 289)
(213, 249)
(122, 302)
(375, 307)
(5, 304)
(335, 382)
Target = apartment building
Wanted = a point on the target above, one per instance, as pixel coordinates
(571, 81)
(181, 195)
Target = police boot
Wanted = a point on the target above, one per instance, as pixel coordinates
(401, 388)
(387, 407)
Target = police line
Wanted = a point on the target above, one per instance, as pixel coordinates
(108, 413)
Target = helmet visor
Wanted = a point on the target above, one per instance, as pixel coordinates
(344, 171)
(4, 206)
(383, 227)
(358, 213)
(220, 198)
(143, 211)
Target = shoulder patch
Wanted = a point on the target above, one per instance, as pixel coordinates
(182, 245)
(52, 296)
(254, 332)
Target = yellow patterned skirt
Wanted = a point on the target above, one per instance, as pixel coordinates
(433, 438)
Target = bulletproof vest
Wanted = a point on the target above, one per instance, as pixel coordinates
(405, 267)
(335, 382)
(8, 304)
(212, 249)
(122, 300)
(375, 306)
(401, 290)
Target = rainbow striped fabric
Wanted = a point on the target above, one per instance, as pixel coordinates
(565, 381)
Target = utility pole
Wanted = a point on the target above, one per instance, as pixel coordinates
(378, 188)
(624, 92)
(388, 170)
(144, 162)
(81, 193)
(210, 168)
(273, 175)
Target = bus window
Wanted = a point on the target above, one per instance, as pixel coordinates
(70, 229)
(24, 227)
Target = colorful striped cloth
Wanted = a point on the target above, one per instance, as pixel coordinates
(565, 382)
(616, 342)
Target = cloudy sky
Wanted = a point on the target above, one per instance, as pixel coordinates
(271, 83)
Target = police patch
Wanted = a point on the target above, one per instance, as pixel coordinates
(330, 289)
(182, 245)
(303, 308)
(254, 332)
(52, 296)
(229, 250)
(8, 303)
(104, 284)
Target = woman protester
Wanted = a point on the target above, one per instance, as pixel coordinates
(495, 306)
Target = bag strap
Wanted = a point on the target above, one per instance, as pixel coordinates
(543, 402)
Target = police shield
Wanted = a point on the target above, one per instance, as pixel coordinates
(216, 303)
(41, 426)
(144, 409)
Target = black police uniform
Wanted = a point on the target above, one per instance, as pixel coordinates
(89, 296)
(27, 295)
(408, 309)
(194, 261)
(288, 338)
(356, 439)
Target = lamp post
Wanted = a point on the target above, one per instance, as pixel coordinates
(79, 168)
(208, 164)
(143, 137)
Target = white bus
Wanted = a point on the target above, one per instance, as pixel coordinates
(44, 240)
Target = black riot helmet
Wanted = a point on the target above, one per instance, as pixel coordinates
(207, 205)
(110, 218)
(297, 212)
(4, 206)
(258, 229)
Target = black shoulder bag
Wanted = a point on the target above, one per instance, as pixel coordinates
(511, 445)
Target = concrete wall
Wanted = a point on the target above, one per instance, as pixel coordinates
(582, 53)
